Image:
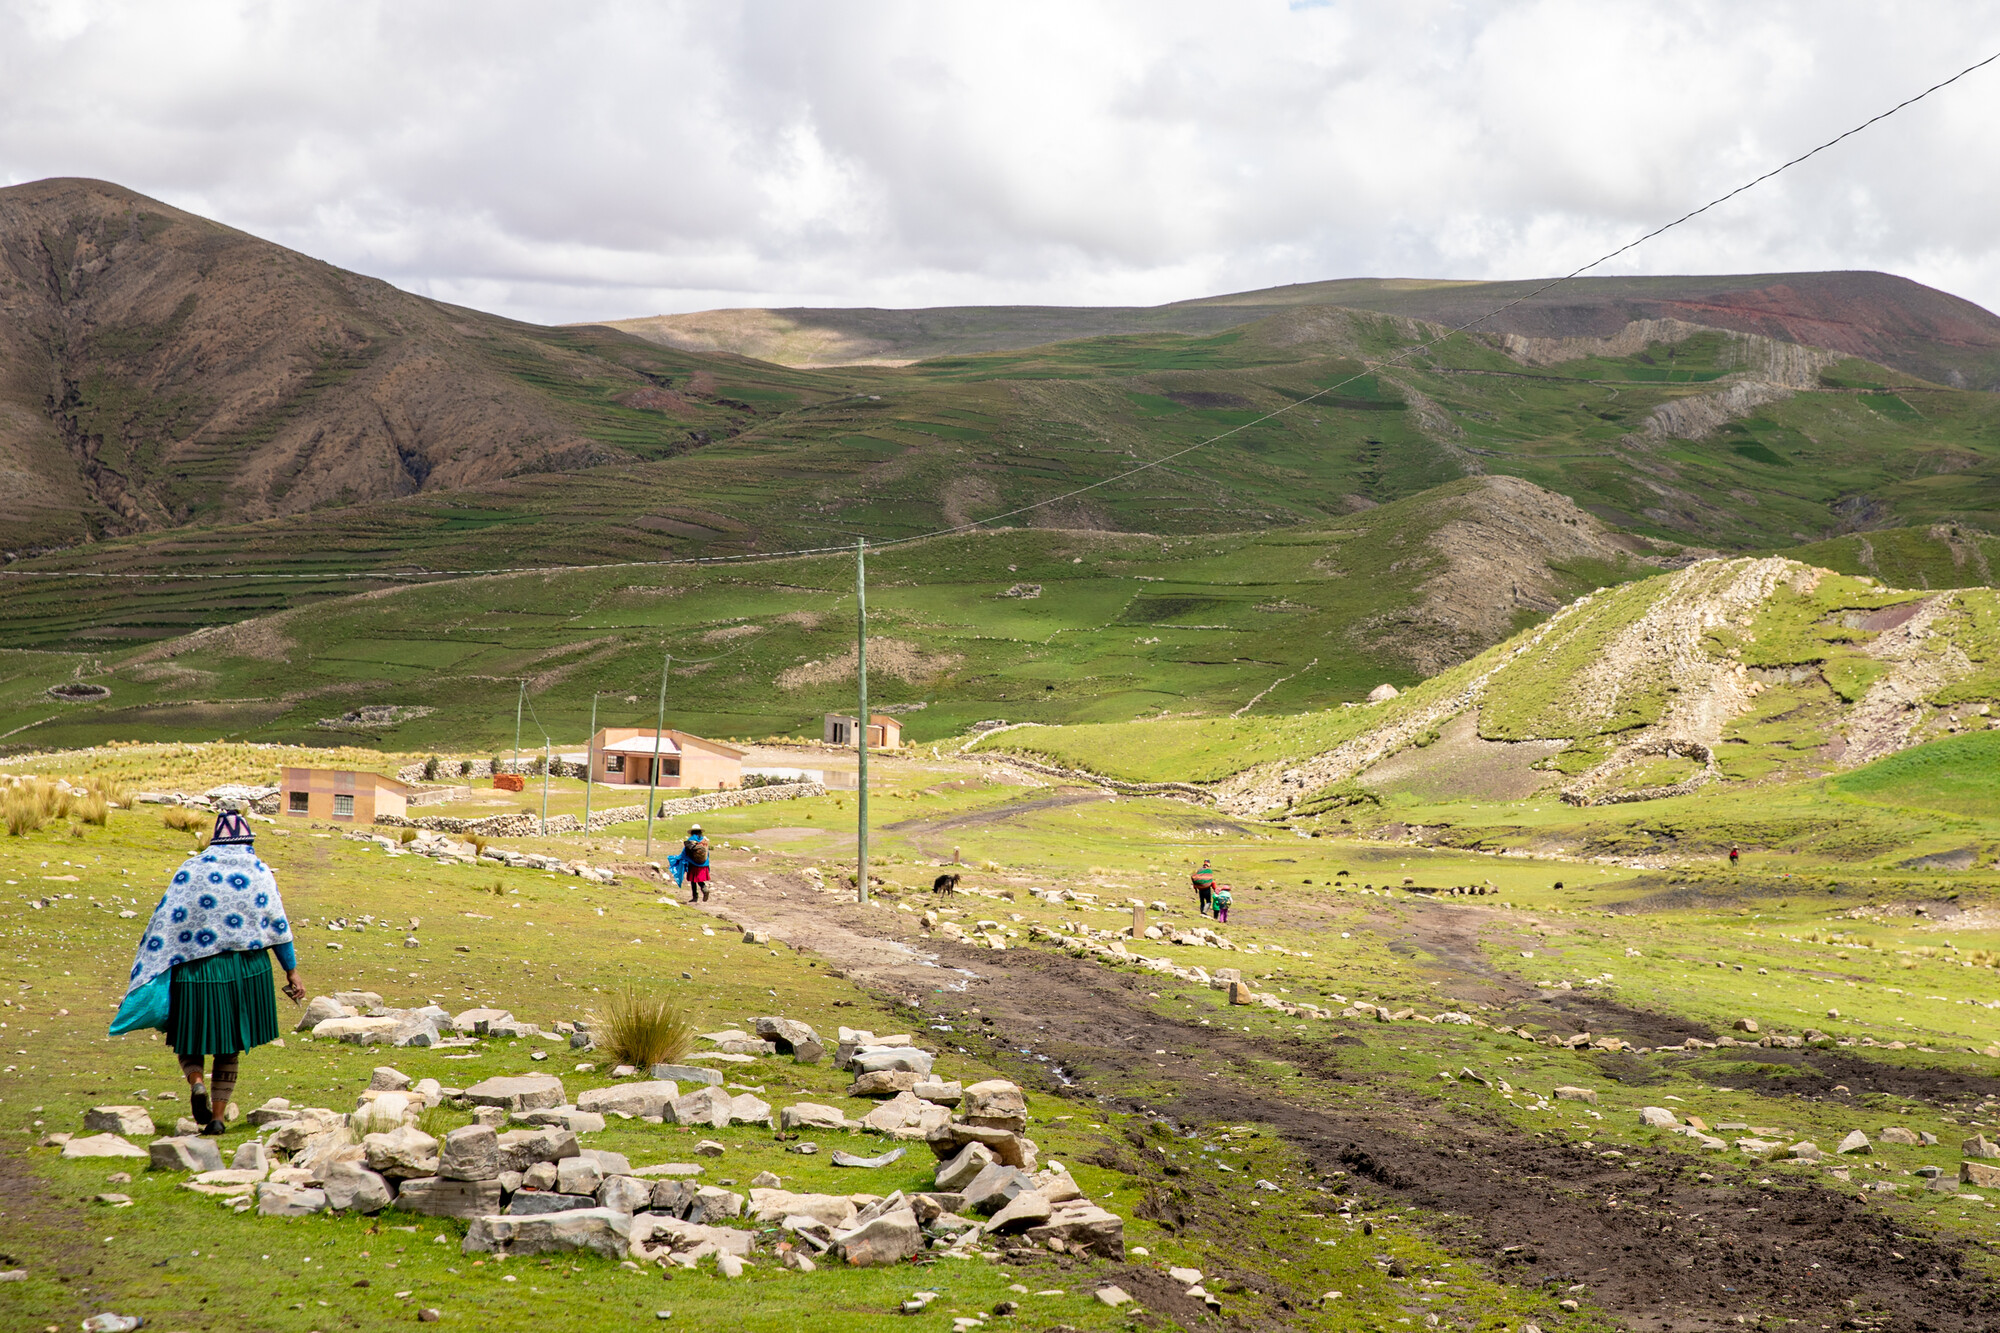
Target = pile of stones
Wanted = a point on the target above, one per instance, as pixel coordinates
(440, 846)
(520, 1176)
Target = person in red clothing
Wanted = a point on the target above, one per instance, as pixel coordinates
(1732, 858)
(1204, 886)
(695, 849)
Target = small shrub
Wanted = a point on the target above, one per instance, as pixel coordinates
(465, 768)
(643, 1029)
(431, 769)
(406, 836)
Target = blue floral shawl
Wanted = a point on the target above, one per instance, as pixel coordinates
(221, 900)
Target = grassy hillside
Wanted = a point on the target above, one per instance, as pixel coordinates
(1726, 675)
(1021, 625)
(896, 452)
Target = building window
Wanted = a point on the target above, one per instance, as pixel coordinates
(614, 763)
(298, 802)
(840, 733)
(343, 807)
(672, 767)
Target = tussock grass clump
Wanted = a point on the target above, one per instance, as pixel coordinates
(28, 803)
(406, 836)
(183, 818)
(643, 1028)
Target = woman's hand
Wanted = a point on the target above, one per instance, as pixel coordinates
(295, 990)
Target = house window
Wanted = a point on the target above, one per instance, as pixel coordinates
(672, 767)
(298, 802)
(614, 763)
(343, 807)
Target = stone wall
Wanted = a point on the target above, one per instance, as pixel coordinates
(724, 800)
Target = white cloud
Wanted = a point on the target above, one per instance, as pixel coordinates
(616, 159)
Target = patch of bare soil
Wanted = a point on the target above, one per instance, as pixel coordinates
(1652, 1243)
(889, 657)
(999, 814)
(1460, 764)
(33, 1209)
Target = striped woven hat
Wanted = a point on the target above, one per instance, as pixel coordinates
(231, 830)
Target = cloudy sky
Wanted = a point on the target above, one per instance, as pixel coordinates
(574, 162)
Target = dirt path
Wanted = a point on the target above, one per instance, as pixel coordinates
(1650, 1241)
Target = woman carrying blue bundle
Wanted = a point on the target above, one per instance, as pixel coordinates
(203, 975)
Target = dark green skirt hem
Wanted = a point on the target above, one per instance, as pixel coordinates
(222, 1004)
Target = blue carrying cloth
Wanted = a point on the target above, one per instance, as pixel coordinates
(678, 863)
(222, 900)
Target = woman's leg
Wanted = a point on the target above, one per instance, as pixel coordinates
(197, 1087)
(222, 1085)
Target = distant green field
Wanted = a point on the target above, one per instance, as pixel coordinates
(1960, 774)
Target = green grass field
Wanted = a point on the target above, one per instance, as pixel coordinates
(1797, 938)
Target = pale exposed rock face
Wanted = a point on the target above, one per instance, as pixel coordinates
(102, 1145)
(471, 1153)
(185, 1154)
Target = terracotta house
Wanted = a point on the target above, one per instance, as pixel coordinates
(625, 756)
(339, 795)
(884, 732)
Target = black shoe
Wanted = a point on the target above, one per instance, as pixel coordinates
(215, 1129)
(198, 1101)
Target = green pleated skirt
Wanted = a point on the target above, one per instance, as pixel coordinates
(222, 1004)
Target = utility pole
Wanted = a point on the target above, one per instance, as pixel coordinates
(861, 722)
(519, 697)
(589, 762)
(546, 758)
(660, 725)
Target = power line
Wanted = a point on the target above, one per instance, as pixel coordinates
(1149, 466)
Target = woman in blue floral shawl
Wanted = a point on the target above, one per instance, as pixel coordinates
(203, 975)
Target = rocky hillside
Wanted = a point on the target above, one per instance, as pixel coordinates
(158, 369)
(1729, 671)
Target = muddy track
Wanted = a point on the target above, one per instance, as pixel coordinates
(996, 815)
(1653, 1244)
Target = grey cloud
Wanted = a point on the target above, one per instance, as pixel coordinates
(630, 158)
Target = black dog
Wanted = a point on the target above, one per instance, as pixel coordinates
(945, 884)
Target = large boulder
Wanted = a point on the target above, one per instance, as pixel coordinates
(745, 1109)
(793, 1038)
(185, 1153)
(320, 1009)
(383, 1112)
(887, 1239)
(671, 1240)
(523, 1092)
(773, 1206)
(1026, 1209)
(352, 1187)
(434, 1196)
(1005, 1145)
(579, 1175)
(712, 1203)
(906, 1111)
(286, 1200)
(884, 1083)
(625, 1194)
(958, 1171)
(639, 1099)
(357, 1031)
(997, 1104)
(604, 1231)
(475, 1022)
(470, 1153)
(129, 1120)
(1083, 1226)
(709, 1106)
(689, 1074)
(994, 1188)
(563, 1117)
(524, 1148)
(404, 1153)
(810, 1115)
(871, 1059)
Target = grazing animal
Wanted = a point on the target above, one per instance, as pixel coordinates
(945, 884)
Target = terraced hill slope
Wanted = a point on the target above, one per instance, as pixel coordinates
(1044, 625)
(1728, 672)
